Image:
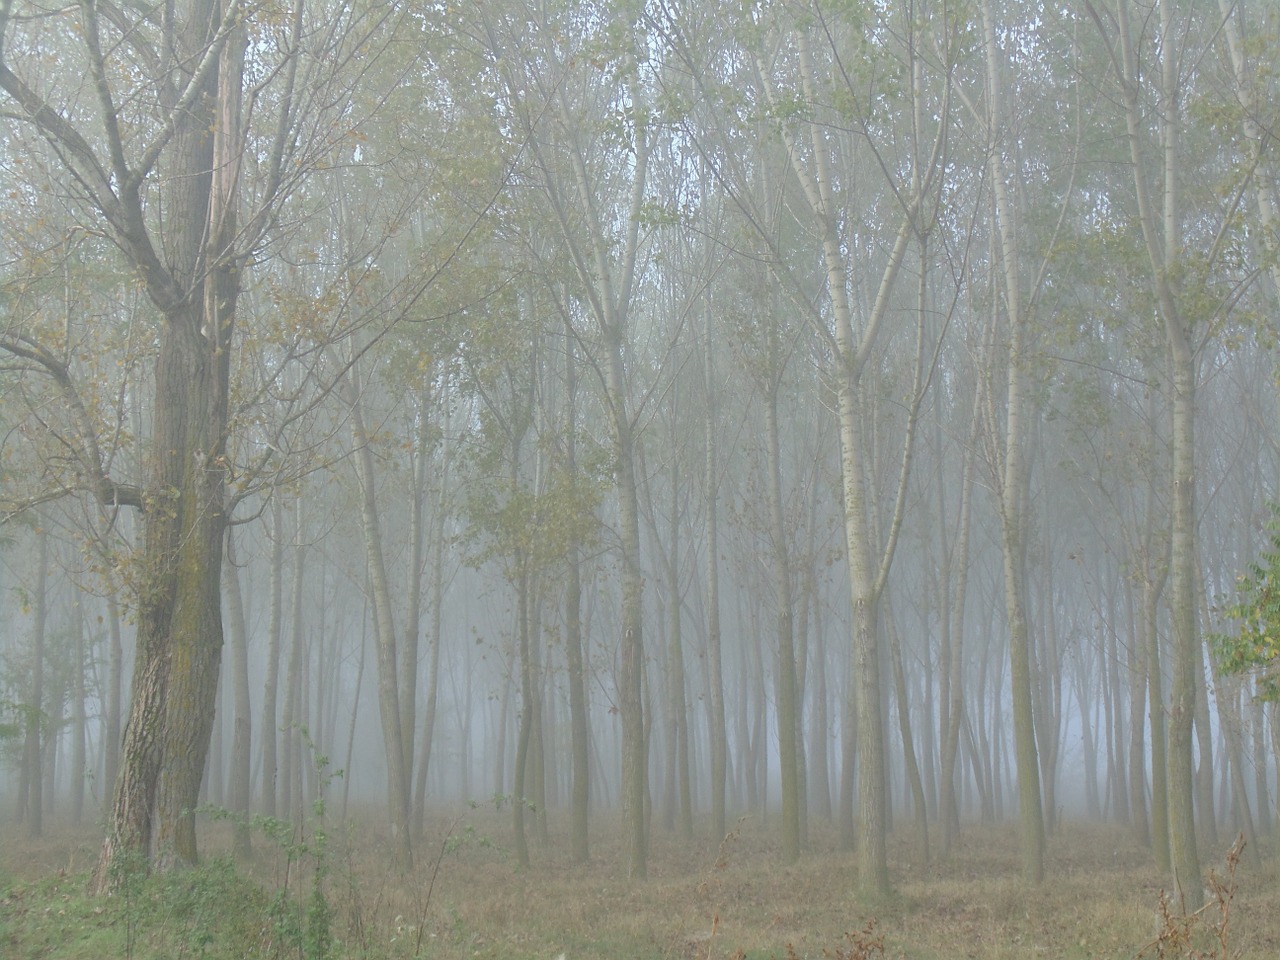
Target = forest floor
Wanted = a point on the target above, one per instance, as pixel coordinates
(466, 900)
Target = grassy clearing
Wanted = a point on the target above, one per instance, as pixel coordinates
(703, 901)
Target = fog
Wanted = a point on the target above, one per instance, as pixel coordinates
(644, 417)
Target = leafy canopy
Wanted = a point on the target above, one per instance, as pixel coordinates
(1255, 648)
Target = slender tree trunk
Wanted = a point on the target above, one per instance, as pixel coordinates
(437, 614)
(79, 768)
(953, 614)
(715, 667)
(1206, 810)
(1046, 671)
(866, 577)
(1014, 479)
(785, 697)
(820, 724)
(271, 686)
(241, 765)
(920, 824)
(355, 708)
(31, 792)
(525, 728)
(1117, 728)
(398, 783)
(678, 722)
(408, 672)
(113, 706)
(607, 271)
(1157, 712)
(293, 713)
(1161, 232)
(580, 792)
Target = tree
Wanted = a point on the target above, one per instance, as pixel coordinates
(188, 264)
(166, 162)
(813, 155)
(590, 162)
(1186, 187)
(1013, 474)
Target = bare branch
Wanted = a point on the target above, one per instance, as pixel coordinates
(88, 455)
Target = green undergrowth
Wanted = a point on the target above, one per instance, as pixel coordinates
(210, 911)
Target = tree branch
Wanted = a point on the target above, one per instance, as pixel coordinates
(94, 477)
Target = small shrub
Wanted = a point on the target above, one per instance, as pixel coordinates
(1178, 931)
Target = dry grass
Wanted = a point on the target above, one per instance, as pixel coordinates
(713, 901)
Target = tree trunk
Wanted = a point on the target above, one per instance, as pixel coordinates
(785, 697)
(1014, 480)
(437, 614)
(678, 721)
(31, 787)
(398, 784)
(270, 726)
(79, 694)
(241, 765)
(1136, 664)
(293, 714)
(525, 728)
(408, 672)
(953, 639)
(1161, 235)
(920, 824)
(820, 724)
(580, 792)
(113, 707)
(715, 667)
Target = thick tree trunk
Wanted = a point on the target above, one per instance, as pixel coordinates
(179, 609)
